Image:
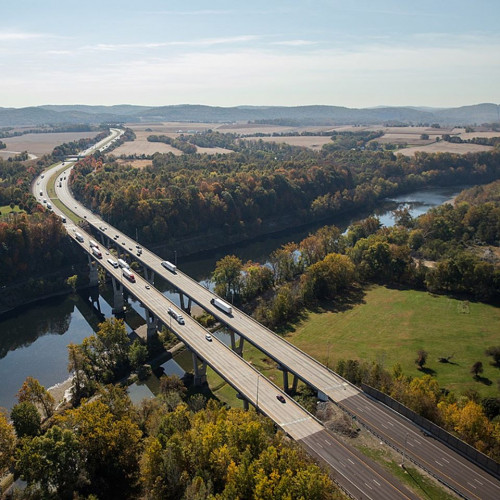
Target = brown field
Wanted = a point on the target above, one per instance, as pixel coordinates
(213, 151)
(142, 146)
(307, 141)
(136, 163)
(40, 144)
(445, 147)
(471, 135)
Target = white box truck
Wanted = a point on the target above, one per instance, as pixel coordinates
(223, 306)
(113, 263)
(128, 275)
(123, 264)
(96, 252)
(168, 265)
(79, 237)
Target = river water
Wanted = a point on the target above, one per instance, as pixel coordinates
(34, 339)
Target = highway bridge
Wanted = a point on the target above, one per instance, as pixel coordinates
(459, 474)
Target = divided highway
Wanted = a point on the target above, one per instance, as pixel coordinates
(467, 479)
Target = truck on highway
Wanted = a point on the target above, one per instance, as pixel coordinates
(123, 264)
(168, 265)
(113, 263)
(126, 272)
(79, 237)
(97, 252)
(93, 244)
(178, 317)
(223, 306)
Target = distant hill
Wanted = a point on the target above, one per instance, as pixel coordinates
(293, 115)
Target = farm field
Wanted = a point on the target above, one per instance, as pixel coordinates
(445, 147)
(141, 145)
(308, 141)
(40, 144)
(390, 326)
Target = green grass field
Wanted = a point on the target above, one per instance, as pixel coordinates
(4, 210)
(390, 326)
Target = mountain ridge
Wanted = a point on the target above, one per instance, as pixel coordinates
(475, 114)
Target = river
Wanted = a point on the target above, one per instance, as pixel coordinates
(33, 339)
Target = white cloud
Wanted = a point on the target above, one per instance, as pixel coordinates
(295, 43)
(9, 36)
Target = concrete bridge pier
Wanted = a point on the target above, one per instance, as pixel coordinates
(244, 399)
(93, 276)
(185, 308)
(200, 372)
(286, 386)
(152, 324)
(94, 298)
(237, 348)
(149, 274)
(118, 302)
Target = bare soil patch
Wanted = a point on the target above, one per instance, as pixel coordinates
(471, 135)
(40, 144)
(213, 151)
(445, 147)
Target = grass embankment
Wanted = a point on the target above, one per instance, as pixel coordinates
(389, 326)
(51, 191)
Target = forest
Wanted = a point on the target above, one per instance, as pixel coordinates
(178, 445)
(259, 185)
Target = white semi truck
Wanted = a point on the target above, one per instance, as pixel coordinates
(223, 306)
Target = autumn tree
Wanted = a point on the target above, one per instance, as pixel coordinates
(7, 443)
(227, 276)
(421, 359)
(477, 369)
(26, 419)
(36, 393)
(51, 464)
(494, 352)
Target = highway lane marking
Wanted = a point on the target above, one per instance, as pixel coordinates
(320, 445)
(420, 458)
(413, 446)
(377, 483)
(471, 485)
(477, 480)
(298, 421)
(385, 426)
(369, 486)
(444, 460)
(440, 465)
(349, 460)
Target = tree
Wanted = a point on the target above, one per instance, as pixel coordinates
(477, 369)
(494, 351)
(421, 359)
(110, 447)
(26, 419)
(51, 463)
(7, 443)
(227, 276)
(138, 354)
(72, 282)
(36, 393)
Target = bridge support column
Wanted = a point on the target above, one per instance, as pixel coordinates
(152, 324)
(200, 372)
(149, 274)
(237, 348)
(93, 276)
(244, 399)
(294, 384)
(94, 298)
(285, 381)
(118, 301)
(185, 308)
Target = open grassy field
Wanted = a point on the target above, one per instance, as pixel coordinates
(308, 141)
(390, 326)
(7, 210)
(141, 145)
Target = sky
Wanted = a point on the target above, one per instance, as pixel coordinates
(354, 53)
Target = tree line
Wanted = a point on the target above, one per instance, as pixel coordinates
(244, 192)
